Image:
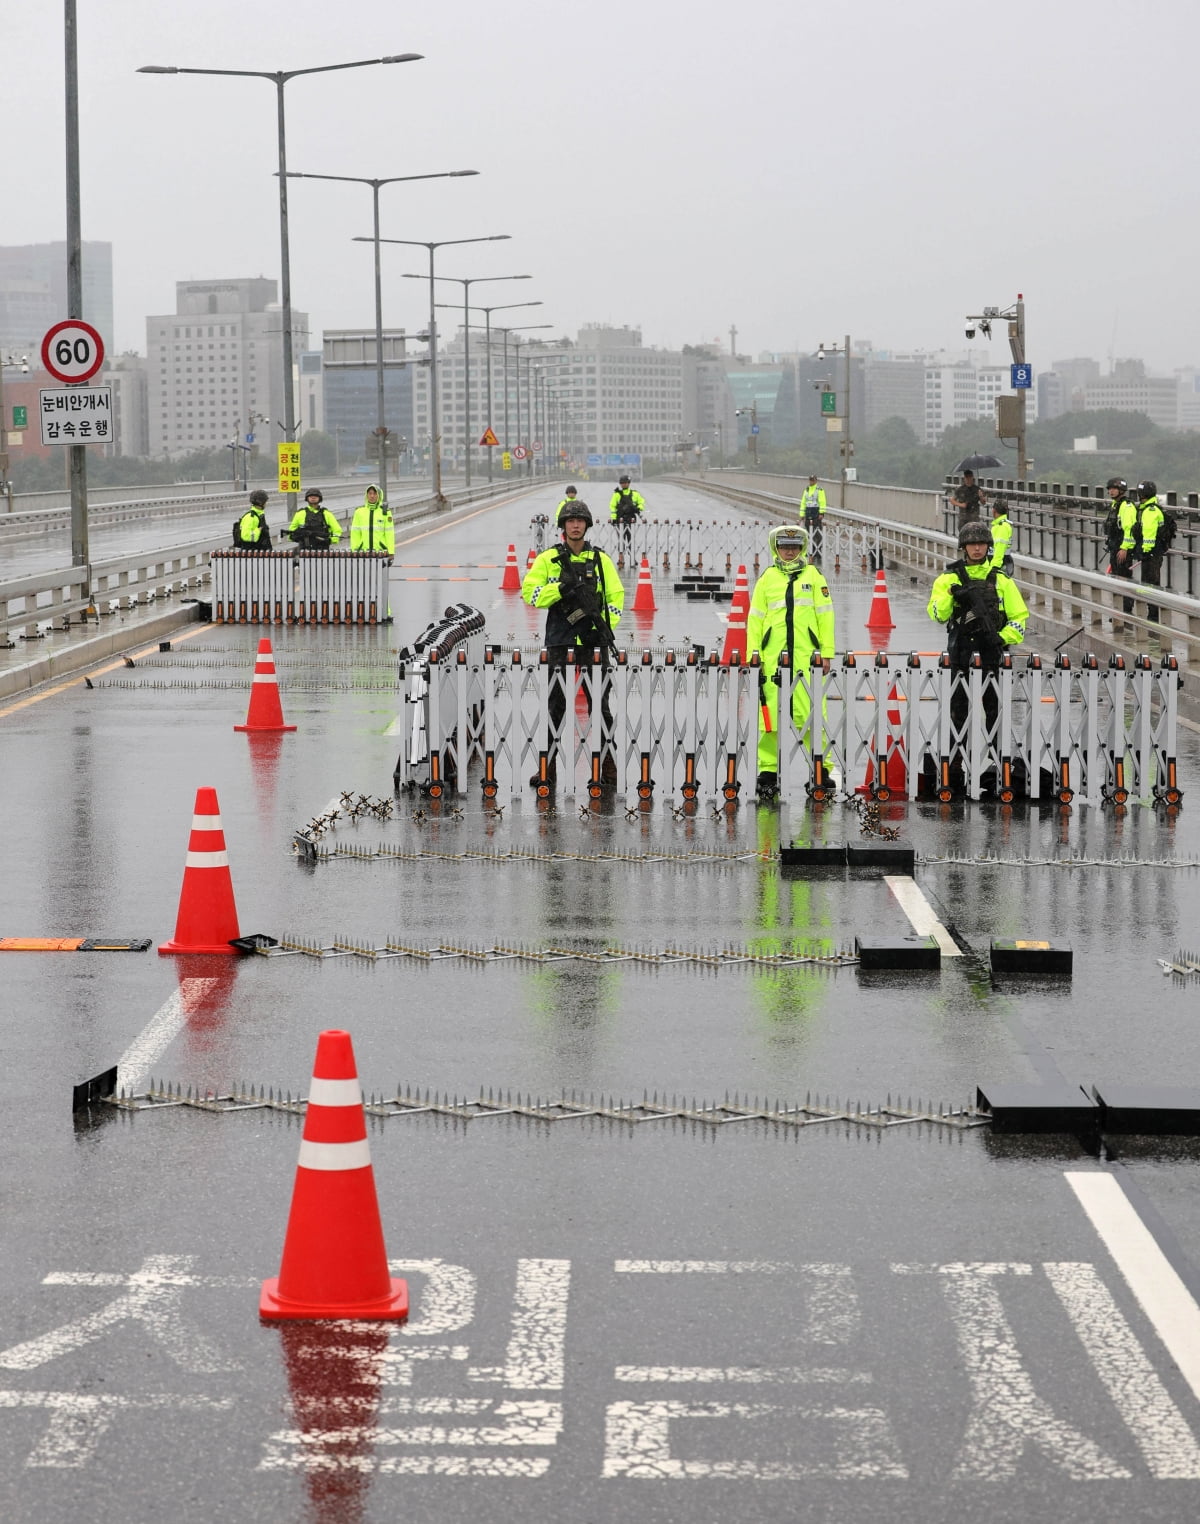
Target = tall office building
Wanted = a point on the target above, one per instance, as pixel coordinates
(216, 366)
(33, 292)
(350, 389)
(601, 394)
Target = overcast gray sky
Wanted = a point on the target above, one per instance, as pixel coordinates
(799, 170)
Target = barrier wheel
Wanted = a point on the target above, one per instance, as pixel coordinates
(595, 790)
(490, 790)
(645, 790)
(883, 794)
(1065, 795)
(945, 795)
(1172, 798)
(1006, 795)
(542, 791)
(1120, 796)
(434, 791)
(689, 791)
(730, 791)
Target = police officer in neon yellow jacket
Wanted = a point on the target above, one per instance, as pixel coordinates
(790, 610)
(371, 527)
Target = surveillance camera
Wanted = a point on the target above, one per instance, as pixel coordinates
(970, 333)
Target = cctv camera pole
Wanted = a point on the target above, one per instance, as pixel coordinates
(1016, 342)
(846, 444)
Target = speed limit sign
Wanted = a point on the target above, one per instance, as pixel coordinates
(72, 351)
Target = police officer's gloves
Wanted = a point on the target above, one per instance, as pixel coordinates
(960, 594)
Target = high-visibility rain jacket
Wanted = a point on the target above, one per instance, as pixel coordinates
(632, 501)
(1151, 516)
(1002, 533)
(372, 529)
(253, 529)
(992, 610)
(541, 590)
(311, 519)
(790, 610)
(813, 497)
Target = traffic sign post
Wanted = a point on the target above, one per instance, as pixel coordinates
(489, 438)
(828, 403)
(72, 351)
(1022, 377)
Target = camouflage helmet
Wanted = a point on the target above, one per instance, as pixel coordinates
(258, 498)
(974, 532)
(575, 509)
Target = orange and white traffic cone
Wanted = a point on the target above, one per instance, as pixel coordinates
(207, 921)
(511, 580)
(643, 597)
(334, 1262)
(265, 711)
(880, 614)
(893, 770)
(530, 558)
(739, 612)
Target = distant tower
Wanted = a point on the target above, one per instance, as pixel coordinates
(732, 342)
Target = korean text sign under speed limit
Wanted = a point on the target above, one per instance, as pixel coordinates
(72, 351)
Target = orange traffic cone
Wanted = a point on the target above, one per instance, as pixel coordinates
(207, 920)
(893, 773)
(265, 711)
(530, 558)
(334, 1262)
(643, 597)
(880, 615)
(739, 611)
(511, 580)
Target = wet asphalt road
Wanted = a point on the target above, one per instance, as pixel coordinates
(662, 1319)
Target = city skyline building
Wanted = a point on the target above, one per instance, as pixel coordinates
(33, 292)
(215, 366)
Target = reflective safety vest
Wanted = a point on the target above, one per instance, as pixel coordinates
(814, 497)
(790, 610)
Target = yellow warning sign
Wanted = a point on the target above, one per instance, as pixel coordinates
(489, 437)
(289, 466)
(506, 460)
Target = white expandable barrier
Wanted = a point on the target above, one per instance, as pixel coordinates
(686, 726)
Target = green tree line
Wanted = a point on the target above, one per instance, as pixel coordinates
(891, 454)
(318, 455)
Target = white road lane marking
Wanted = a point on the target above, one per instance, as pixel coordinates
(135, 1064)
(920, 913)
(1155, 1283)
(1160, 1429)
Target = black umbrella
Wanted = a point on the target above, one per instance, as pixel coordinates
(979, 463)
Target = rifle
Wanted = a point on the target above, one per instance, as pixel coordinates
(583, 609)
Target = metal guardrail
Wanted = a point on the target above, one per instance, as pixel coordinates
(31, 606)
(1064, 592)
(55, 600)
(1065, 523)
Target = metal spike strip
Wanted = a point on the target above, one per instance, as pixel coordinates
(650, 1108)
(712, 958)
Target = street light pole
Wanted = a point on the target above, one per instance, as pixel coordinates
(466, 282)
(279, 78)
(434, 399)
(381, 433)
